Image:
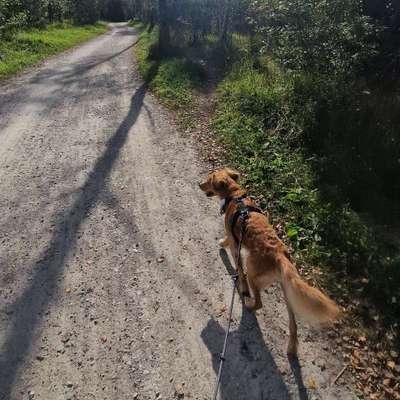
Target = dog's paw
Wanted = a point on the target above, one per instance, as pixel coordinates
(249, 303)
(223, 242)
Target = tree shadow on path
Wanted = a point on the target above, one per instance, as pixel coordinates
(77, 71)
(28, 310)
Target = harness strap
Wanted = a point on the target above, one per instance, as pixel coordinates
(242, 214)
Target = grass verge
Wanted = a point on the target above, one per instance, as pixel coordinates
(27, 48)
(171, 79)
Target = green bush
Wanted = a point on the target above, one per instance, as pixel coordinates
(172, 79)
(324, 36)
(85, 11)
(12, 18)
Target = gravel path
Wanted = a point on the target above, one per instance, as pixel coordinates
(111, 281)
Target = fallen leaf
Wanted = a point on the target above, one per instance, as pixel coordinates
(391, 364)
(380, 355)
(103, 339)
(311, 384)
(386, 382)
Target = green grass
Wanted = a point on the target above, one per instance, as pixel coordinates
(171, 79)
(27, 48)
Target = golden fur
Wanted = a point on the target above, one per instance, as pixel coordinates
(267, 261)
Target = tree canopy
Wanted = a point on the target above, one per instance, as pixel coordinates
(18, 14)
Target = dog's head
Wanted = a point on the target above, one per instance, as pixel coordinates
(219, 182)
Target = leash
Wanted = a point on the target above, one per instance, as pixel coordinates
(235, 278)
(222, 355)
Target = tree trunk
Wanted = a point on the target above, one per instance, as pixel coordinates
(50, 12)
(164, 35)
(225, 21)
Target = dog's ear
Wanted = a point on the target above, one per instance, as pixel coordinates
(233, 174)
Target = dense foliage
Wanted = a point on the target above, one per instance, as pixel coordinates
(18, 14)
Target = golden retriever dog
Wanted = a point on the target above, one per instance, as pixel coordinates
(266, 258)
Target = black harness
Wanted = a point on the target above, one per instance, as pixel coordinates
(242, 214)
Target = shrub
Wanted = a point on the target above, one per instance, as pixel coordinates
(12, 18)
(171, 78)
(323, 36)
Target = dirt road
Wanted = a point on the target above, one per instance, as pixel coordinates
(111, 281)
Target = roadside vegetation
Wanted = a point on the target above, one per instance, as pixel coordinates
(31, 30)
(172, 79)
(26, 48)
(306, 106)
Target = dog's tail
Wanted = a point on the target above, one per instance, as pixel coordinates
(307, 302)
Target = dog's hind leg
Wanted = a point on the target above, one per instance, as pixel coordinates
(293, 341)
(243, 288)
(224, 242)
(253, 303)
